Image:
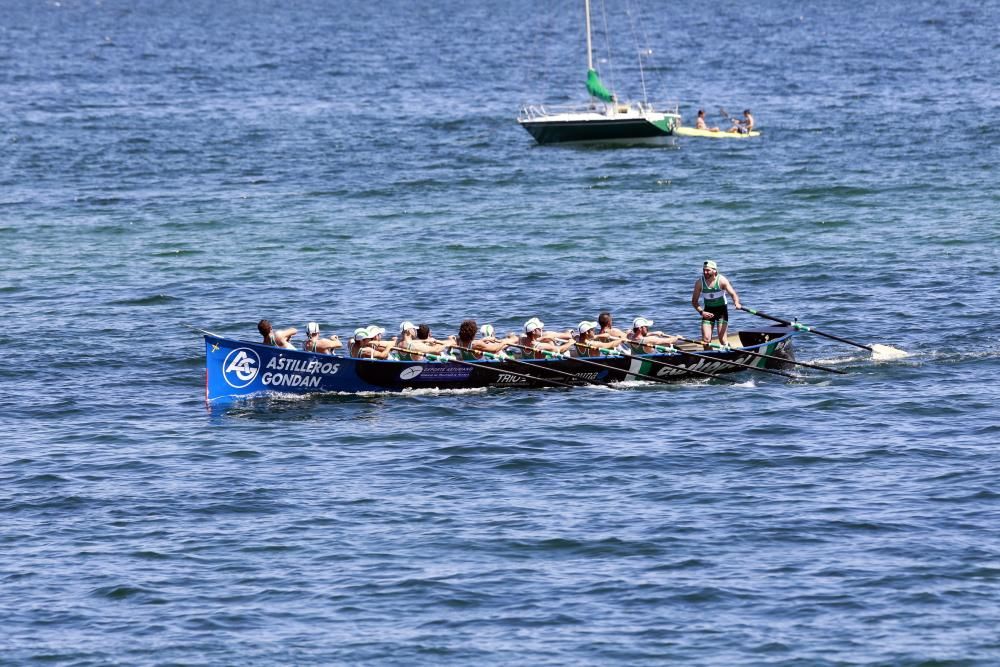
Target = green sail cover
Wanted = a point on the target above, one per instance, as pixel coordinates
(596, 88)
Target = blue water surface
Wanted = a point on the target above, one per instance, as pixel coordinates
(178, 164)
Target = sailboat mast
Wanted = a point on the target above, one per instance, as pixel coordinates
(590, 56)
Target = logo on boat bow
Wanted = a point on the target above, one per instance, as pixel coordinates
(240, 367)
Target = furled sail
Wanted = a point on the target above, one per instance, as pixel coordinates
(596, 88)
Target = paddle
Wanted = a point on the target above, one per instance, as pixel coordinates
(452, 360)
(725, 114)
(587, 362)
(693, 371)
(766, 356)
(490, 355)
(729, 362)
(802, 327)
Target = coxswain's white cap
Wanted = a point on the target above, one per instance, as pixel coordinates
(532, 324)
(312, 328)
(709, 264)
(586, 326)
(407, 326)
(641, 322)
(486, 330)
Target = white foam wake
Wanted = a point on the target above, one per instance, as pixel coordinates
(887, 353)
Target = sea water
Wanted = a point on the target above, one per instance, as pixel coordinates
(178, 164)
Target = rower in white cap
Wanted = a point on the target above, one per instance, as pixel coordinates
(535, 342)
(314, 343)
(412, 348)
(586, 345)
(642, 340)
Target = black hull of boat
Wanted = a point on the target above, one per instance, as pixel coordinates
(239, 369)
(611, 130)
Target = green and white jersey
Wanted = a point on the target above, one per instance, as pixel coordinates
(713, 294)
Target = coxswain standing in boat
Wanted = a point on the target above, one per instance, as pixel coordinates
(642, 340)
(279, 338)
(712, 288)
(700, 124)
(314, 343)
(535, 341)
(586, 344)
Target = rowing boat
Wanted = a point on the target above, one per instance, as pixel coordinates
(237, 369)
(684, 131)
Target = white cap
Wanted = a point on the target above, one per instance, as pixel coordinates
(641, 322)
(532, 324)
(586, 326)
(312, 328)
(361, 333)
(375, 330)
(407, 325)
(486, 330)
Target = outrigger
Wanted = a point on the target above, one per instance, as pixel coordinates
(237, 369)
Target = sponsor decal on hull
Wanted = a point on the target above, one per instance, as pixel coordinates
(282, 372)
(442, 373)
(410, 373)
(240, 367)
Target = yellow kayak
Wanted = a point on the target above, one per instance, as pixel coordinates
(692, 132)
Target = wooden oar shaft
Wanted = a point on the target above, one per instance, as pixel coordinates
(654, 362)
(588, 362)
(524, 363)
(771, 356)
(491, 368)
(693, 371)
(734, 363)
(802, 327)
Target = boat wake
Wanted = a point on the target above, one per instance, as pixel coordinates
(887, 353)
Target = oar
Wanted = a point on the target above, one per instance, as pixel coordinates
(685, 369)
(588, 362)
(439, 357)
(524, 363)
(739, 364)
(766, 356)
(202, 331)
(802, 327)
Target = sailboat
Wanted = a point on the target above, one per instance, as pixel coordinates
(604, 119)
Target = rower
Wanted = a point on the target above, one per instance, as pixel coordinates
(357, 342)
(415, 348)
(608, 331)
(587, 345)
(314, 343)
(276, 338)
(468, 348)
(381, 349)
(532, 343)
(642, 340)
(369, 344)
